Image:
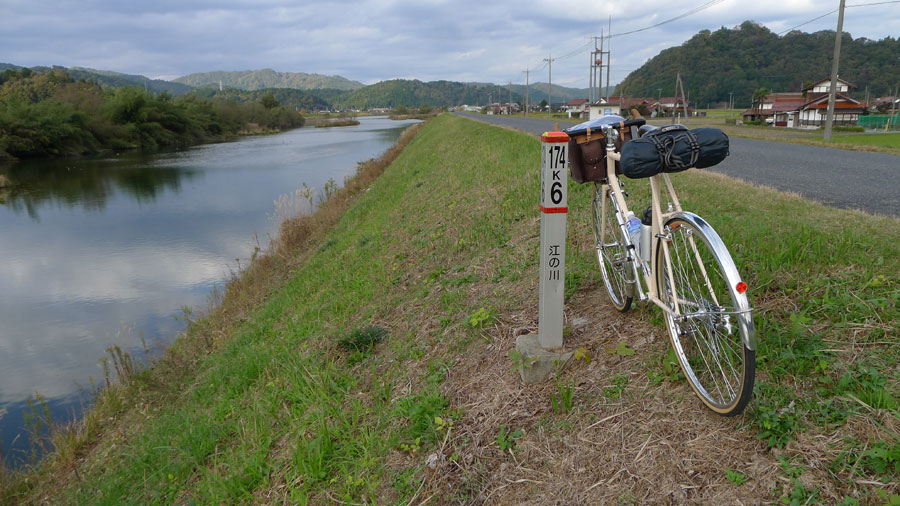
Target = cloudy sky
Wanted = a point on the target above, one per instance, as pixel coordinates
(373, 40)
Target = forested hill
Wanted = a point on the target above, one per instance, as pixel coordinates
(268, 78)
(110, 80)
(412, 93)
(295, 99)
(749, 57)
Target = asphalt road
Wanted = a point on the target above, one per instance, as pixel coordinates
(836, 177)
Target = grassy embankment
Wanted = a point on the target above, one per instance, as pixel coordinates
(377, 369)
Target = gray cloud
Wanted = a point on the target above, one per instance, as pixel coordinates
(370, 40)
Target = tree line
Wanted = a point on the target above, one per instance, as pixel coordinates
(750, 57)
(53, 114)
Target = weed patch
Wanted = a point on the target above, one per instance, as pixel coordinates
(363, 339)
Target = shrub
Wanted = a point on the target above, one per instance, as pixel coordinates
(849, 129)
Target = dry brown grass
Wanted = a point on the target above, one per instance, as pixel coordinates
(653, 445)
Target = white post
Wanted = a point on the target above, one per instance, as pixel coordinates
(554, 202)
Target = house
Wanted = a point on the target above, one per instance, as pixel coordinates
(776, 108)
(604, 107)
(885, 104)
(784, 108)
(558, 107)
(807, 108)
(814, 111)
(577, 107)
(504, 109)
(620, 105)
(670, 106)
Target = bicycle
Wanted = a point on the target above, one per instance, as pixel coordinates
(690, 276)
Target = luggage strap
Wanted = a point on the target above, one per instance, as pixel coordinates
(666, 148)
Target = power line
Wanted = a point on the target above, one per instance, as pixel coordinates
(808, 22)
(832, 12)
(874, 3)
(573, 53)
(695, 10)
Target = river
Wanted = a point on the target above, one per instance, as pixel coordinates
(103, 252)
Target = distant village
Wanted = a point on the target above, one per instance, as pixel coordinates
(805, 108)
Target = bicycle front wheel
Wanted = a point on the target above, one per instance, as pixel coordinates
(609, 244)
(709, 316)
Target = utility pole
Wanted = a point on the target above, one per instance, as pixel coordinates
(829, 116)
(658, 99)
(730, 104)
(526, 93)
(608, 57)
(549, 61)
(679, 84)
(596, 66)
(510, 95)
(591, 76)
(596, 70)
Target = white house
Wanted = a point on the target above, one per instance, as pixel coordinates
(577, 107)
(604, 108)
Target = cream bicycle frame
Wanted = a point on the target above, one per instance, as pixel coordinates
(649, 275)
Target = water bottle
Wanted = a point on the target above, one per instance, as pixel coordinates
(634, 232)
(646, 234)
(645, 242)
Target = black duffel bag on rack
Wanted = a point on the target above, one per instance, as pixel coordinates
(673, 148)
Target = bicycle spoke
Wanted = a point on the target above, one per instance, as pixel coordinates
(710, 347)
(610, 248)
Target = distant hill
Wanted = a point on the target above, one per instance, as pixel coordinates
(267, 78)
(295, 99)
(327, 94)
(109, 79)
(413, 93)
(750, 56)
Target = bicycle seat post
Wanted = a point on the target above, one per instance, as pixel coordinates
(611, 136)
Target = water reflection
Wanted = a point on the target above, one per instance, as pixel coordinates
(88, 183)
(101, 252)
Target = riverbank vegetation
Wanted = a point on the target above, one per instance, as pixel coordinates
(51, 114)
(336, 122)
(366, 359)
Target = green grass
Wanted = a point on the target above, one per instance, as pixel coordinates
(886, 140)
(306, 402)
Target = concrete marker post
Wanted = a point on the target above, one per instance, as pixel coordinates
(538, 360)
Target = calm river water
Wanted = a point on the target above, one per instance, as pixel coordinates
(101, 252)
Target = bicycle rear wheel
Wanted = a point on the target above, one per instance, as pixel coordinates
(710, 323)
(616, 267)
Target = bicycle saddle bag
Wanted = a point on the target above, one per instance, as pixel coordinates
(587, 148)
(673, 148)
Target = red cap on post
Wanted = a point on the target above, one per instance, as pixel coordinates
(554, 137)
